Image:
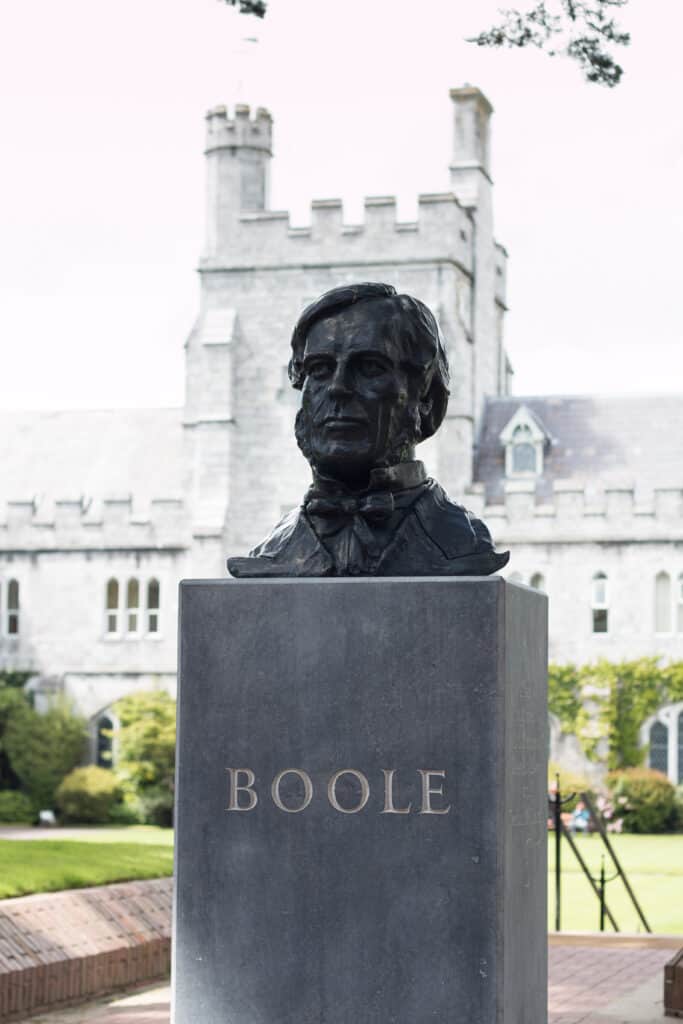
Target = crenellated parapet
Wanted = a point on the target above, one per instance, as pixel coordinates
(74, 523)
(261, 238)
(575, 514)
(240, 130)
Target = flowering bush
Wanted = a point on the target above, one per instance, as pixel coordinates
(612, 813)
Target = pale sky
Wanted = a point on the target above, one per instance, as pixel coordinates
(102, 107)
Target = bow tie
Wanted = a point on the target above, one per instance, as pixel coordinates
(376, 507)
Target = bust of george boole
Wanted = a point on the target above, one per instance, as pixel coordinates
(373, 374)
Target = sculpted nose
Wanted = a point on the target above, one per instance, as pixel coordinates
(339, 384)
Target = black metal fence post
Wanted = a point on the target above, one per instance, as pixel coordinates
(557, 803)
(596, 817)
(558, 847)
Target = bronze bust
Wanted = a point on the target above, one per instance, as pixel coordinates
(373, 373)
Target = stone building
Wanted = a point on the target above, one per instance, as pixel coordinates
(105, 511)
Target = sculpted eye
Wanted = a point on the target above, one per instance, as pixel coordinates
(372, 367)
(318, 369)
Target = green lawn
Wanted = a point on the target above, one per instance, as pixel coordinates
(46, 865)
(654, 867)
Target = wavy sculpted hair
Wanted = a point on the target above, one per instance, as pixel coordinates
(410, 325)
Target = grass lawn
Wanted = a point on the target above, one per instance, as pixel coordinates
(120, 855)
(654, 867)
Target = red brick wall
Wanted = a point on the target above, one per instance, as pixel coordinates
(61, 948)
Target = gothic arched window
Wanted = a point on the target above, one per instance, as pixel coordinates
(153, 597)
(599, 602)
(112, 606)
(13, 607)
(104, 741)
(659, 747)
(662, 603)
(524, 439)
(524, 458)
(132, 605)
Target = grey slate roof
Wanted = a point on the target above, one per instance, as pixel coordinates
(95, 454)
(598, 441)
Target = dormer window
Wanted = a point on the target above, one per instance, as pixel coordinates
(524, 439)
(523, 451)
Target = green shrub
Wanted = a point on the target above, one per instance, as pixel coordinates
(644, 798)
(89, 795)
(154, 806)
(16, 680)
(145, 754)
(42, 749)
(16, 807)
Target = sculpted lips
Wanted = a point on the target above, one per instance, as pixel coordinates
(343, 422)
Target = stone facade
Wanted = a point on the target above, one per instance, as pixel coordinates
(587, 493)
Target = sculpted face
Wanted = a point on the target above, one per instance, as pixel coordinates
(355, 397)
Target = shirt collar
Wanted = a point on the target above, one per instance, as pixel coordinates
(399, 477)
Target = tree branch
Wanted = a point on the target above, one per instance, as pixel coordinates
(257, 7)
(583, 31)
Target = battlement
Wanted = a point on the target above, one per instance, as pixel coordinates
(575, 513)
(442, 231)
(243, 131)
(76, 523)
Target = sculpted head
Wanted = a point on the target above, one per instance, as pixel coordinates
(373, 373)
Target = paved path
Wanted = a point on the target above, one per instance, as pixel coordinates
(613, 985)
(98, 832)
(603, 983)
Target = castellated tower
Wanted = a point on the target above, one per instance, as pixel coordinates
(238, 152)
(471, 183)
(258, 272)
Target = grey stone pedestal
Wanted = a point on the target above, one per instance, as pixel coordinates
(361, 803)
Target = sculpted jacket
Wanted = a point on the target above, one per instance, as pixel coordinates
(403, 524)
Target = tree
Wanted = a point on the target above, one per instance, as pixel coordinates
(583, 30)
(257, 7)
(145, 754)
(42, 749)
(12, 702)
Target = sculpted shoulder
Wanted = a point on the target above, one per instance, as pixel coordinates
(457, 532)
(290, 549)
(279, 537)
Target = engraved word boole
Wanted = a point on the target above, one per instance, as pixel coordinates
(361, 802)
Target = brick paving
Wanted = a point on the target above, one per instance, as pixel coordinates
(585, 981)
(588, 984)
